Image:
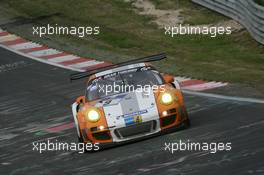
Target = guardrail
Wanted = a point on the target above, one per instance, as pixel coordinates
(246, 12)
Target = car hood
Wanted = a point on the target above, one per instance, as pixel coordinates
(120, 106)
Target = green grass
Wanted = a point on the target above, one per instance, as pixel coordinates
(260, 2)
(193, 14)
(124, 34)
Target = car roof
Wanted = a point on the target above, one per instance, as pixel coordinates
(118, 69)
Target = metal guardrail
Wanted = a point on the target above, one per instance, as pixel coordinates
(246, 12)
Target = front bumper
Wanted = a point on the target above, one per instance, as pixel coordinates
(174, 119)
(178, 127)
(137, 131)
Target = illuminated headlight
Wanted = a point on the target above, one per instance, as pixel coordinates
(166, 98)
(93, 115)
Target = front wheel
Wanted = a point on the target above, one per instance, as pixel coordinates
(187, 123)
(80, 138)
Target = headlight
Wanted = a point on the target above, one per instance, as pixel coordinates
(93, 115)
(166, 98)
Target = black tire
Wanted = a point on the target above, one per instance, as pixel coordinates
(187, 123)
(80, 139)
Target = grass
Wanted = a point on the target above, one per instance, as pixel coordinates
(193, 14)
(124, 34)
(260, 2)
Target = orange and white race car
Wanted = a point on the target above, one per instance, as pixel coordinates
(128, 101)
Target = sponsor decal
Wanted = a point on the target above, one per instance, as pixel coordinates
(133, 118)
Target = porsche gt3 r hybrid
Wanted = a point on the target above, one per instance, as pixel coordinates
(128, 101)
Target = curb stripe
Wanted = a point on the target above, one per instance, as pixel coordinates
(86, 64)
(33, 49)
(205, 86)
(180, 79)
(4, 33)
(8, 38)
(62, 58)
(40, 60)
(44, 52)
(26, 45)
(191, 82)
(77, 60)
(97, 66)
(13, 42)
(53, 55)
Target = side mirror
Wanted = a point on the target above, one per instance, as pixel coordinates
(80, 100)
(168, 78)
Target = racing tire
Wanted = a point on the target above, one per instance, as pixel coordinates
(187, 123)
(80, 138)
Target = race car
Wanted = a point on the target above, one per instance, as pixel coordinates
(128, 101)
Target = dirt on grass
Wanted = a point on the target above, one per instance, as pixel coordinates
(162, 17)
(173, 17)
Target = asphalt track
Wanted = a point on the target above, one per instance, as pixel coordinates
(35, 96)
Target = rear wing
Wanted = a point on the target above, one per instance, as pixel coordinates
(151, 58)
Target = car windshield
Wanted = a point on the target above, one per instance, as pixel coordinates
(122, 81)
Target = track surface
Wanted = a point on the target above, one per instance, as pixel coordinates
(36, 96)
